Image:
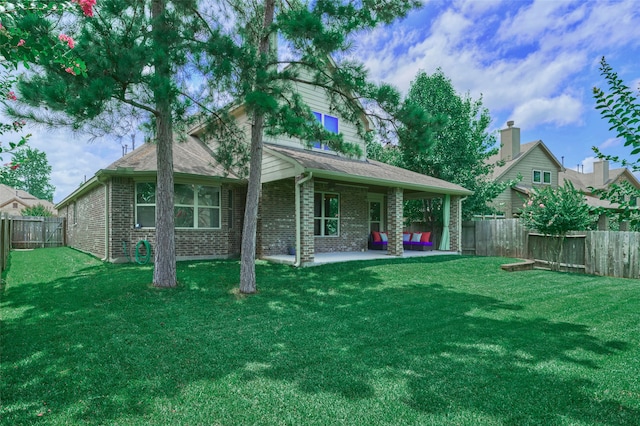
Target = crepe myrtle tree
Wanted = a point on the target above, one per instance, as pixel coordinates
(555, 212)
(20, 47)
(620, 107)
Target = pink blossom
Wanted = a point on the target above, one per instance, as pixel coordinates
(67, 39)
(21, 43)
(70, 70)
(541, 205)
(11, 96)
(86, 5)
(530, 203)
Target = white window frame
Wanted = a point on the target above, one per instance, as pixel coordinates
(196, 206)
(323, 215)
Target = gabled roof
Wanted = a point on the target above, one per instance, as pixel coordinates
(190, 158)
(583, 181)
(368, 172)
(9, 195)
(525, 150)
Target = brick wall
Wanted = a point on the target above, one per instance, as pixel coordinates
(354, 219)
(277, 224)
(307, 239)
(88, 234)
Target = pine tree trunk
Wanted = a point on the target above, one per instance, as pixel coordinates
(248, 265)
(248, 257)
(164, 273)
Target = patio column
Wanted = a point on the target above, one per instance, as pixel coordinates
(455, 224)
(307, 239)
(395, 216)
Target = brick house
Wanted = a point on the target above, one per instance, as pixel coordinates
(313, 200)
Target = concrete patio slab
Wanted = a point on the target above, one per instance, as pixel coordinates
(324, 258)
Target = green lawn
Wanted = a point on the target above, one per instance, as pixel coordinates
(437, 340)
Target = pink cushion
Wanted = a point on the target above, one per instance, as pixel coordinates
(376, 237)
(425, 237)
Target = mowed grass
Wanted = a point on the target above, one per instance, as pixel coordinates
(438, 340)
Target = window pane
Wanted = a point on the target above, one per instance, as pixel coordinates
(331, 207)
(317, 227)
(146, 216)
(317, 204)
(208, 218)
(547, 177)
(331, 227)
(146, 193)
(374, 212)
(536, 176)
(208, 196)
(331, 123)
(183, 194)
(183, 217)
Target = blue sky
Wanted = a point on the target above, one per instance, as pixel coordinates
(534, 62)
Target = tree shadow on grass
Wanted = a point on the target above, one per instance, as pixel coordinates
(102, 345)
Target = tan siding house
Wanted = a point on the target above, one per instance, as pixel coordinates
(538, 167)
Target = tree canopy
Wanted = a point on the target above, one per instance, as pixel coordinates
(461, 144)
(621, 108)
(32, 173)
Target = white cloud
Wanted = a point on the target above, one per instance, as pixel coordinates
(72, 158)
(610, 143)
(562, 110)
(587, 164)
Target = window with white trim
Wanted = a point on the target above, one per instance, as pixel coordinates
(326, 214)
(195, 206)
(543, 177)
(330, 124)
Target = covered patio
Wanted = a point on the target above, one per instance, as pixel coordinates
(324, 258)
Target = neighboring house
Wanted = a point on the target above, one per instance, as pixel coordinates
(538, 167)
(312, 200)
(13, 201)
(533, 162)
(601, 178)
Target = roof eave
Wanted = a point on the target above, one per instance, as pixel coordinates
(387, 182)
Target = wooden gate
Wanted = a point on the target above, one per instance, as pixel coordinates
(37, 232)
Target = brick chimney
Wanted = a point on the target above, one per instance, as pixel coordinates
(600, 172)
(509, 142)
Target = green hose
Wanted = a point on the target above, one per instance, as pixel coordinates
(140, 260)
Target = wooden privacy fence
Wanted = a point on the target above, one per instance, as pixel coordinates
(610, 253)
(29, 232)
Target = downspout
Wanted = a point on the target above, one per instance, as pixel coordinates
(298, 218)
(106, 220)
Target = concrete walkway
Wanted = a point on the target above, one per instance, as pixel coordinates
(322, 258)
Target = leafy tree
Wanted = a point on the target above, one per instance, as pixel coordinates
(143, 54)
(37, 210)
(622, 110)
(32, 173)
(311, 34)
(461, 146)
(556, 211)
(17, 47)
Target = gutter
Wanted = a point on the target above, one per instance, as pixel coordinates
(298, 218)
